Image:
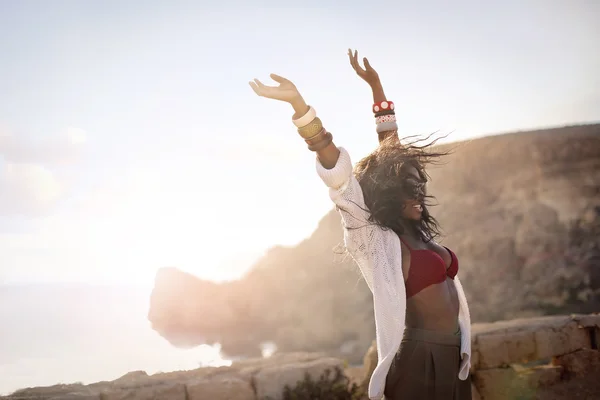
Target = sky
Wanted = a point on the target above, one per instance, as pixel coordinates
(130, 139)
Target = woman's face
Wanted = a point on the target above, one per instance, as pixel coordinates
(415, 188)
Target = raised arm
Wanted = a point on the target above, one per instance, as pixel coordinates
(305, 118)
(334, 166)
(385, 116)
(329, 154)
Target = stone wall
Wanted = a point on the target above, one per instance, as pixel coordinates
(549, 358)
(544, 358)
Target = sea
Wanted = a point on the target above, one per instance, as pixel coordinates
(67, 333)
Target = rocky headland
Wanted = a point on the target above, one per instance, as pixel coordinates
(521, 211)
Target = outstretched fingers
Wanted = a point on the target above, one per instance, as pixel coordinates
(254, 87)
(260, 88)
(284, 90)
(354, 62)
(257, 86)
(279, 79)
(260, 84)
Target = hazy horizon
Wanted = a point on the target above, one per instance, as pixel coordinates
(67, 333)
(130, 140)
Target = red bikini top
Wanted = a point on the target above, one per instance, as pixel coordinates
(428, 268)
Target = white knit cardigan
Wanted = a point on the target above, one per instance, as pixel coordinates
(378, 255)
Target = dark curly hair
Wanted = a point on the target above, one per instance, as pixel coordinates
(386, 184)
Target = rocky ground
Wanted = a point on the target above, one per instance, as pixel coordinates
(245, 380)
(545, 358)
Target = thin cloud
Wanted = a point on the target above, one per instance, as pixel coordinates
(28, 186)
(62, 148)
(27, 189)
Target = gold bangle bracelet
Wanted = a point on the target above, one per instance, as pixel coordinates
(317, 137)
(312, 129)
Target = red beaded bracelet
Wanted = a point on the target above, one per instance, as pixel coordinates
(383, 106)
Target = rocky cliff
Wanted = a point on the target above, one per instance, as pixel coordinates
(521, 211)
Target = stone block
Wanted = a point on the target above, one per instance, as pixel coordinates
(252, 366)
(474, 358)
(542, 376)
(500, 349)
(507, 383)
(475, 393)
(520, 324)
(552, 342)
(517, 382)
(587, 320)
(492, 351)
(271, 381)
(591, 323)
(494, 384)
(520, 346)
(580, 363)
(230, 388)
(152, 392)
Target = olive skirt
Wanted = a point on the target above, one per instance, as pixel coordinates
(426, 367)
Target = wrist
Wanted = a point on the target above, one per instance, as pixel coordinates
(376, 85)
(378, 93)
(300, 107)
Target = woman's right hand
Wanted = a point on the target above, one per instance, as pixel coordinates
(286, 91)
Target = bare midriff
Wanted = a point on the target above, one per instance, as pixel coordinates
(434, 308)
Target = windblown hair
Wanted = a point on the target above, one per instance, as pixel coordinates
(386, 184)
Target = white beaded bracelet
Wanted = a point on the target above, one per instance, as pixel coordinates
(385, 118)
(387, 126)
(306, 118)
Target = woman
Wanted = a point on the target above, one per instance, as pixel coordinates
(421, 314)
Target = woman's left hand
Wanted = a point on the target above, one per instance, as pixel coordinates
(368, 74)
